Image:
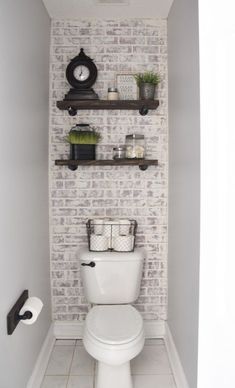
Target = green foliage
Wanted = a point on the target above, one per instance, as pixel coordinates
(149, 77)
(83, 137)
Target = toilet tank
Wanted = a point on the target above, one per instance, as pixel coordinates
(111, 277)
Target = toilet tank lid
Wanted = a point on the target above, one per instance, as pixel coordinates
(85, 255)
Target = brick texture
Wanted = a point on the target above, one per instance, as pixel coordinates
(116, 46)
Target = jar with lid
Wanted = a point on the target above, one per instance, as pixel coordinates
(113, 94)
(135, 146)
(119, 152)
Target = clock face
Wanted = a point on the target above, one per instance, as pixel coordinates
(81, 73)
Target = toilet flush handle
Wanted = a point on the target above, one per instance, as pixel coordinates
(91, 264)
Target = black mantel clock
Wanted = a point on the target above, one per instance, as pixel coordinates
(81, 74)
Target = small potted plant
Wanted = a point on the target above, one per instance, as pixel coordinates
(83, 142)
(147, 83)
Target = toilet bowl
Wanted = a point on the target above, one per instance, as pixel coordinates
(113, 332)
(113, 335)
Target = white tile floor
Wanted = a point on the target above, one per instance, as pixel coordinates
(71, 367)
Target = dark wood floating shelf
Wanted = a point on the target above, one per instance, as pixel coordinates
(73, 164)
(142, 106)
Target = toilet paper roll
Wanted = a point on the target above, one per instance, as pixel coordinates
(34, 305)
(123, 243)
(115, 227)
(98, 226)
(99, 243)
(111, 230)
(124, 227)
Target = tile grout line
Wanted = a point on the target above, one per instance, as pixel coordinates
(71, 363)
(94, 373)
(47, 365)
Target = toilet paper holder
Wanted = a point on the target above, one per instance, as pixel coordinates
(26, 315)
(13, 317)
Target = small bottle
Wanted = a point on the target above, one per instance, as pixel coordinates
(119, 152)
(113, 94)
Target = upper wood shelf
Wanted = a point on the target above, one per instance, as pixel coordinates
(142, 106)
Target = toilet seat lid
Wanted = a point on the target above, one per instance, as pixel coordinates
(114, 325)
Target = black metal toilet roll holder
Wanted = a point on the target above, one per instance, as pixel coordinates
(14, 317)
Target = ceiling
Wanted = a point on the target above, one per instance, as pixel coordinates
(101, 9)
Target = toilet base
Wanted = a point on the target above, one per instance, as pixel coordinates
(114, 376)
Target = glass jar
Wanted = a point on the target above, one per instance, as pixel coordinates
(119, 152)
(135, 146)
(113, 94)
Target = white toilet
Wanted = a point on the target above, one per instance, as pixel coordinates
(114, 332)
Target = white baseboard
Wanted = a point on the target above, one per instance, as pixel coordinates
(74, 330)
(68, 330)
(36, 378)
(176, 366)
(154, 329)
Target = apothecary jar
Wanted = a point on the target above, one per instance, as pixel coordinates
(135, 146)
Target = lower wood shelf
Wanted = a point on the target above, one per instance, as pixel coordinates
(142, 163)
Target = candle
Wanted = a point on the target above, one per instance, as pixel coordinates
(113, 94)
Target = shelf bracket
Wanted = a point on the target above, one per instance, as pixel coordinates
(143, 111)
(143, 167)
(72, 167)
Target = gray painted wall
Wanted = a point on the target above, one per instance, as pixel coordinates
(24, 64)
(184, 182)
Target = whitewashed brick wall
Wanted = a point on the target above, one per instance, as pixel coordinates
(115, 46)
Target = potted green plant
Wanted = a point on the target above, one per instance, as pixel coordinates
(147, 83)
(83, 142)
